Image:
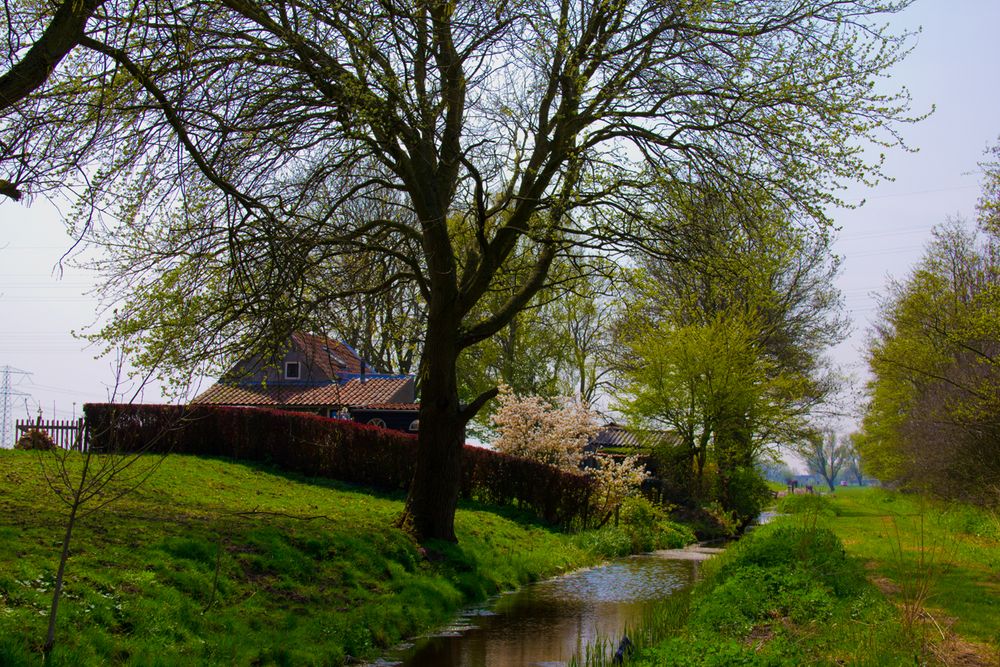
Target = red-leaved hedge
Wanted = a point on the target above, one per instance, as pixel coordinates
(336, 449)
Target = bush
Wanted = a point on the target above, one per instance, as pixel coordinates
(816, 551)
(35, 439)
(743, 493)
(642, 526)
(641, 513)
(336, 449)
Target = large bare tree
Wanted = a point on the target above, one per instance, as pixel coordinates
(228, 152)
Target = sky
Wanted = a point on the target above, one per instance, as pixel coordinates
(954, 67)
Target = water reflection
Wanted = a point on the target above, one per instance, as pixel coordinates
(548, 622)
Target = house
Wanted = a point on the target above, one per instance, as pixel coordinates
(319, 375)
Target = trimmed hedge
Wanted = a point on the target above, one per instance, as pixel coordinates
(336, 449)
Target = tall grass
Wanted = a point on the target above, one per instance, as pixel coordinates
(660, 621)
(918, 574)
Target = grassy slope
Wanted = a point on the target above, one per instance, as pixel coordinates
(783, 596)
(309, 572)
(841, 581)
(906, 541)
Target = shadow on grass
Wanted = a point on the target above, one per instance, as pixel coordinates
(518, 515)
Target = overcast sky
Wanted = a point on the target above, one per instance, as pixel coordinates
(954, 67)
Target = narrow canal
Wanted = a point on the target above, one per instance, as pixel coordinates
(548, 622)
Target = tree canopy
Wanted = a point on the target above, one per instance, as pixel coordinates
(932, 421)
(228, 153)
(933, 415)
(725, 342)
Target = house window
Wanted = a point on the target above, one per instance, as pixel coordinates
(292, 370)
(415, 425)
(377, 421)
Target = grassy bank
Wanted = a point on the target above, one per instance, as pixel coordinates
(217, 562)
(865, 577)
(939, 563)
(786, 594)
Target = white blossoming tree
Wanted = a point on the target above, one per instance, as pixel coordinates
(616, 481)
(534, 428)
(557, 433)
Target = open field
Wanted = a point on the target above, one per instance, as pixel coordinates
(215, 562)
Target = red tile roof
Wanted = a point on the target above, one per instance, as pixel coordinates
(373, 392)
(404, 407)
(332, 356)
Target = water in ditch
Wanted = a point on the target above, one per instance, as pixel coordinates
(548, 622)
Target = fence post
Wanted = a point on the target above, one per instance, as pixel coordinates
(78, 445)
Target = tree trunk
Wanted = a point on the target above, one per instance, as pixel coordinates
(50, 635)
(433, 496)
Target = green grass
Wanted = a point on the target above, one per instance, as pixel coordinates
(785, 594)
(806, 503)
(215, 562)
(907, 541)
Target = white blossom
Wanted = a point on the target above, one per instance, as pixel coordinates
(534, 428)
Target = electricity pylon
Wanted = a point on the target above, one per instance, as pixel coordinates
(7, 393)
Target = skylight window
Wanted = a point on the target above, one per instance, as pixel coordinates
(334, 357)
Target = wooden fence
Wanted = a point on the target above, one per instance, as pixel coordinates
(66, 433)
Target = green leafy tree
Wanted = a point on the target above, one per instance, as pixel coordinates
(933, 414)
(693, 380)
(725, 345)
(752, 297)
(224, 150)
(557, 346)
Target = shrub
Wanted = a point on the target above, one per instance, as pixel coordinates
(817, 551)
(642, 526)
(35, 439)
(641, 513)
(744, 493)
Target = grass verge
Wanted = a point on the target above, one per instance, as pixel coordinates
(865, 577)
(216, 562)
(786, 594)
(938, 562)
